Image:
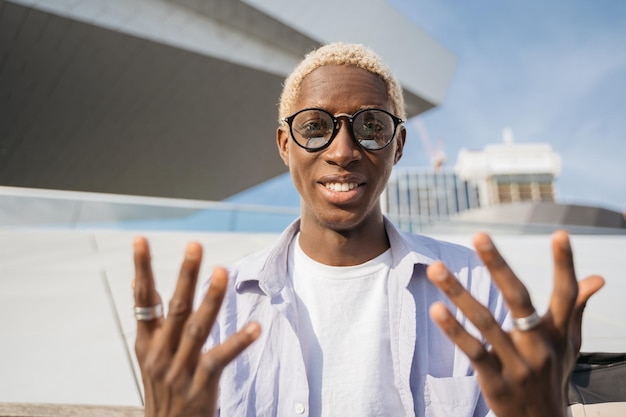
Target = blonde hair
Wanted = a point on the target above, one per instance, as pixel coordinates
(340, 54)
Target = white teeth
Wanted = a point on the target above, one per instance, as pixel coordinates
(341, 186)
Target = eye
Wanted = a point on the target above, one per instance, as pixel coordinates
(373, 129)
(312, 126)
(372, 126)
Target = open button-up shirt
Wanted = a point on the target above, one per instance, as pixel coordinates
(433, 377)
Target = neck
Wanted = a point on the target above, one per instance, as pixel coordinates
(337, 247)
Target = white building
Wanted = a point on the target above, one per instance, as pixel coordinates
(511, 172)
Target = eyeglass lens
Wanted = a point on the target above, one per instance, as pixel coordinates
(313, 129)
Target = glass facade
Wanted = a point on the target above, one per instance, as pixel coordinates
(416, 197)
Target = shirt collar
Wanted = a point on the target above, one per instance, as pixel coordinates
(268, 272)
(408, 250)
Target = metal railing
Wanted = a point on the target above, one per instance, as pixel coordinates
(37, 208)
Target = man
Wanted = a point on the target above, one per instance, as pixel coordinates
(339, 306)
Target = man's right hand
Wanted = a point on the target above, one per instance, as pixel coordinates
(180, 380)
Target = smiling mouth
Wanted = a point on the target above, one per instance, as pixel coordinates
(341, 186)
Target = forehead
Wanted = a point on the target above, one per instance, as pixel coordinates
(341, 88)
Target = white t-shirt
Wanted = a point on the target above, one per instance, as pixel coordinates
(343, 328)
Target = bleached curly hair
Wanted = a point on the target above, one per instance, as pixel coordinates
(340, 54)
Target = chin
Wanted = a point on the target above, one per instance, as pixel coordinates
(345, 220)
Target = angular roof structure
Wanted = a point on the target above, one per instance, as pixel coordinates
(175, 98)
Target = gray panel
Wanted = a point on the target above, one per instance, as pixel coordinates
(573, 216)
(251, 21)
(90, 109)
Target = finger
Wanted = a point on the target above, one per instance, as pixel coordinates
(565, 290)
(472, 347)
(215, 360)
(181, 303)
(144, 290)
(475, 312)
(586, 288)
(513, 290)
(199, 324)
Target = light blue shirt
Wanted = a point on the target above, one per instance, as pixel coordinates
(433, 377)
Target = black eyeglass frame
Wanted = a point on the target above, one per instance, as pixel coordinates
(335, 118)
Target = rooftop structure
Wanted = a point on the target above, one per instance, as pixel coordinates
(510, 172)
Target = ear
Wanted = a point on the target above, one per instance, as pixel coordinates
(282, 141)
(399, 144)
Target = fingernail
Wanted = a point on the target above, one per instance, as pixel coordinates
(440, 314)
(439, 273)
(483, 243)
(191, 253)
(252, 329)
(564, 243)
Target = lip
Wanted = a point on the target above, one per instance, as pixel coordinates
(342, 197)
(348, 178)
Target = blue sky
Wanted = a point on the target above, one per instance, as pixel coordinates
(553, 71)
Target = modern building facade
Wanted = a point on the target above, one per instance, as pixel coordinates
(175, 98)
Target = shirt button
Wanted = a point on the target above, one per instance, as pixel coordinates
(300, 408)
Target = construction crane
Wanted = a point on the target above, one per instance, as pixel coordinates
(436, 154)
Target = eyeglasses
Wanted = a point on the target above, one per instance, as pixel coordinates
(315, 129)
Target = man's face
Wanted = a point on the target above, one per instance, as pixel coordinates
(322, 177)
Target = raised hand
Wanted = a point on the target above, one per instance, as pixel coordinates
(526, 370)
(178, 379)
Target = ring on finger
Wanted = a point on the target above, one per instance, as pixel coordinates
(524, 324)
(149, 313)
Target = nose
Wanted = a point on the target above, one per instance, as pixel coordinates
(343, 150)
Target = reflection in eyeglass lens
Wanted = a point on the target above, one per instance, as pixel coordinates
(372, 129)
(313, 128)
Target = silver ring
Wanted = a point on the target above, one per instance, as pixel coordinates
(149, 313)
(524, 324)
